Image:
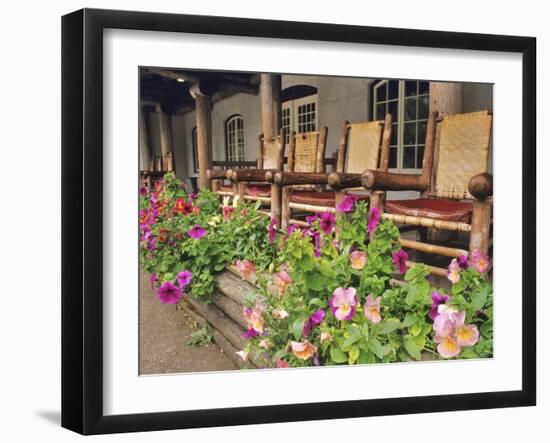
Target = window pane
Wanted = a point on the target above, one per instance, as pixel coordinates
(423, 87)
(419, 156)
(409, 137)
(410, 89)
(381, 93)
(393, 157)
(393, 110)
(409, 157)
(394, 134)
(421, 132)
(380, 111)
(410, 108)
(423, 106)
(393, 89)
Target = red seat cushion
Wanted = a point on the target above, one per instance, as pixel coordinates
(259, 190)
(325, 198)
(437, 208)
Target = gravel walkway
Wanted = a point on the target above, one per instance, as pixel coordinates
(164, 336)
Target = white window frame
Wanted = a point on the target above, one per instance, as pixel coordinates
(400, 123)
(292, 108)
(235, 145)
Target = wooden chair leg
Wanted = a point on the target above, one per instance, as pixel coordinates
(481, 226)
(377, 201)
(276, 203)
(285, 208)
(241, 189)
(339, 196)
(215, 185)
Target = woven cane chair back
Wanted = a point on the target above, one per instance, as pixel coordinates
(364, 140)
(271, 153)
(463, 152)
(307, 152)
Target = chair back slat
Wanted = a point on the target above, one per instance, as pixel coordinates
(305, 152)
(363, 151)
(463, 151)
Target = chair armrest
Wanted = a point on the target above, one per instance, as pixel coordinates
(250, 175)
(287, 178)
(216, 174)
(388, 181)
(481, 186)
(340, 180)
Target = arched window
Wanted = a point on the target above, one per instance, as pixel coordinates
(234, 138)
(300, 111)
(194, 145)
(408, 103)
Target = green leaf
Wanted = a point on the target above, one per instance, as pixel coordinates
(389, 326)
(479, 299)
(317, 302)
(337, 355)
(411, 347)
(410, 319)
(298, 328)
(378, 349)
(415, 329)
(354, 354)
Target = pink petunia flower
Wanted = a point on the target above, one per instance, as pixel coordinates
(280, 314)
(372, 309)
(314, 320)
(246, 268)
(281, 363)
(327, 222)
(254, 319)
(453, 271)
(282, 280)
(184, 278)
(374, 220)
(347, 203)
(358, 259)
(227, 211)
(400, 260)
(197, 232)
(451, 334)
(169, 293)
(479, 261)
(343, 303)
(272, 230)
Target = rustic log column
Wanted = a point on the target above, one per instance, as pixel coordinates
(165, 130)
(203, 113)
(270, 87)
(144, 147)
(481, 226)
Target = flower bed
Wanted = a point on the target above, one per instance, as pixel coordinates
(326, 294)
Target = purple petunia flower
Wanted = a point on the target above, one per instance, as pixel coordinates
(249, 333)
(463, 262)
(169, 293)
(272, 231)
(292, 228)
(374, 219)
(437, 299)
(197, 232)
(347, 203)
(316, 244)
(400, 260)
(193, 195)
(315, 319)
(327, 222)
(184, 278)
(143, 191)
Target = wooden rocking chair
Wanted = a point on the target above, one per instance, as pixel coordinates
(362, 146)
(459, 195)
(250, 184)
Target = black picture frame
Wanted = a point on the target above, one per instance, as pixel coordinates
(82, 218)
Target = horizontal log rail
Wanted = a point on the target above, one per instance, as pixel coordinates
(311, 208)
(250, 175)
(432, 249)
(389, 181)
(428, 222)
(285, 178)
(341, 180)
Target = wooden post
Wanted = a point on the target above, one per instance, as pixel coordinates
(165, 130)
(270, 87)
(376, 201)
(285, 207)
(144, 147)
(276, 203)
(203, 113)
(481, 226)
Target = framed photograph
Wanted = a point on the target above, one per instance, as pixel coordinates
(270, 221)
